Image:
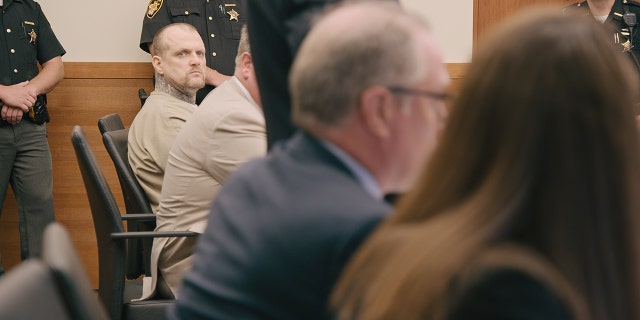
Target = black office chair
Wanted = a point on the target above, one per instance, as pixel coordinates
(135, 200)
(111, 238)
(60, 256)
(110, 122)
(135, 251)
(29, 291)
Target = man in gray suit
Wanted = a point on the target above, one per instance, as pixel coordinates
(225, 131)
(283, 226)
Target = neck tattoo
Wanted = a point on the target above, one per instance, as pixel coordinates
(162, 85)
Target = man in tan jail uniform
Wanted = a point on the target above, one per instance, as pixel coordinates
(179, 65)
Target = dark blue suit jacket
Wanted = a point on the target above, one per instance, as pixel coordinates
(504, 294)
(279, 233)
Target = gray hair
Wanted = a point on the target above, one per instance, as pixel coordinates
(243, 46)
(335, 64)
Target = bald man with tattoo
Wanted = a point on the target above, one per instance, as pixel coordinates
(179, 63)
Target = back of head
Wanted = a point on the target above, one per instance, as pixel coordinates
(541, 150)
(344, 53)
(243, 46)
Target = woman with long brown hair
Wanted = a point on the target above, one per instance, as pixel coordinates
(530, 205)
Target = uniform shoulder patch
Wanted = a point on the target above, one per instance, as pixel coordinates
(153, 7)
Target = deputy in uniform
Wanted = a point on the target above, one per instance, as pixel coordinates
(26, 40)
(622, 16)
(219, 23)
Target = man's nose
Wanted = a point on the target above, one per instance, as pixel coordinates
(195, 59)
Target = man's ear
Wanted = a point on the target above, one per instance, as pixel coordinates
(246, 65)
(378, 110)
(157, 64)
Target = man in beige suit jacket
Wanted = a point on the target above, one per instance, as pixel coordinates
(227, 130)
(179, 63)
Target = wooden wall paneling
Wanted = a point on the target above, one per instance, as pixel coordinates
(88, 92)
(488, 13)
(456, 73)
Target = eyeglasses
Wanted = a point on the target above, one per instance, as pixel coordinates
(444, 97)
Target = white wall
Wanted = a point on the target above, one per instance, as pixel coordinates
(452, 24)
(98, 30)
(109, 30)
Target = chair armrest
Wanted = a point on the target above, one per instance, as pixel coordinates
(139, 217)
(153, 234)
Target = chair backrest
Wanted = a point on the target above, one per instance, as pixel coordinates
(110, 122)
(60, 255)
(29, 291)
(142, 94)
(106, 219)
(135, 199)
